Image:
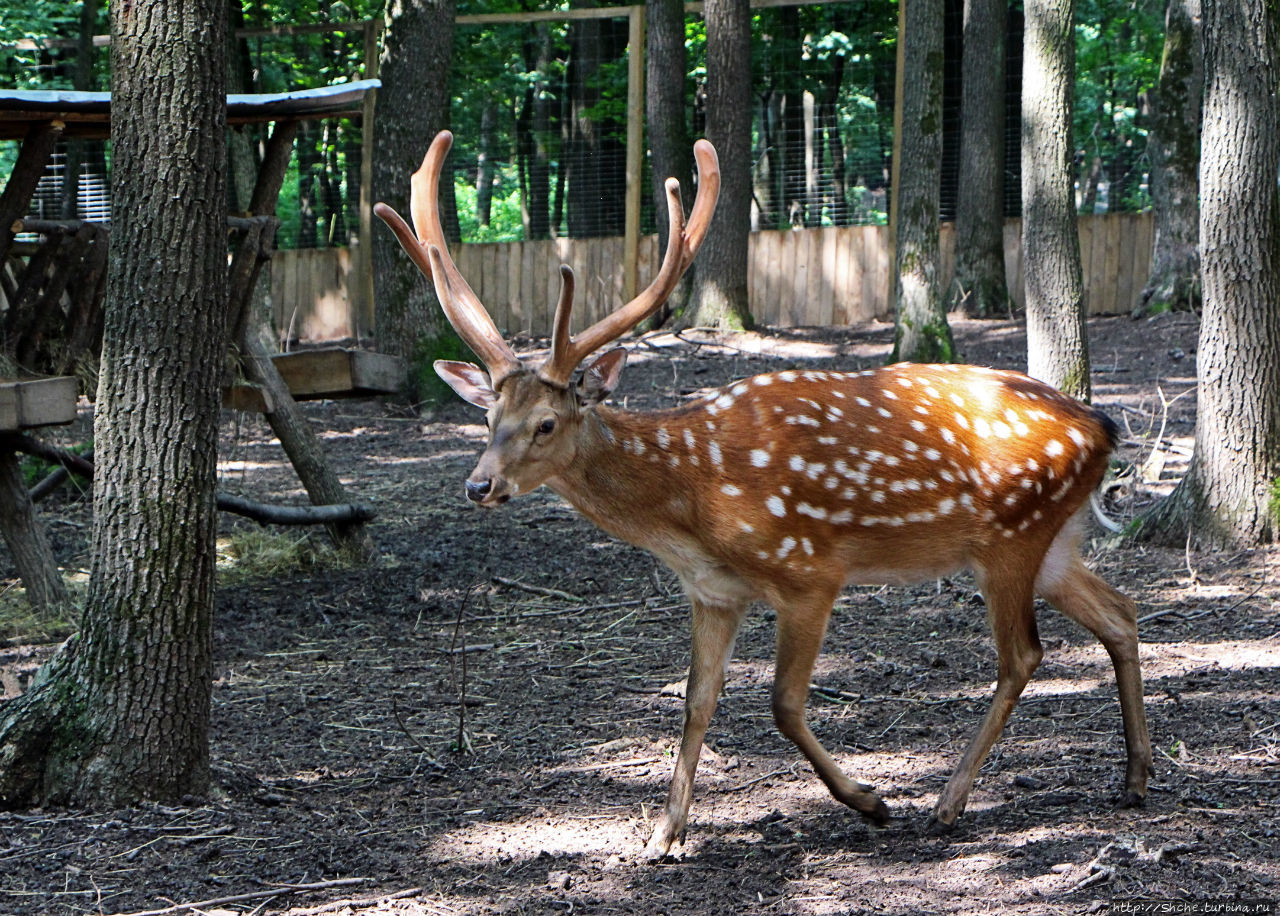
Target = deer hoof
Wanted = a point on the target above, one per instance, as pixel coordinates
(1132, 799)
(936, 826)
(659, 845)
(879, 813)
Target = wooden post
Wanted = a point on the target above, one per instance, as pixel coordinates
(32, 157)
(635, 151)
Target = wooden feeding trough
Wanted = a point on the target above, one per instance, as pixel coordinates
(328, 372)
(30, 403)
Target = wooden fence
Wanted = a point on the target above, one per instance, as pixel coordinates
(829, 276)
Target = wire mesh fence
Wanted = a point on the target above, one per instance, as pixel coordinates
(541, 109)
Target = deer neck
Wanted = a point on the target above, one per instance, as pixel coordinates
(628, 478)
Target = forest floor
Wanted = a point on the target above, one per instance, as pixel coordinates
(484, 720)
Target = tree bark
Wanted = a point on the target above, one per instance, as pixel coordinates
(980, 288)
(1057, 345)
(670, 150)
(922, 333)
(1174, 282)
(28, 546)
(721, 285)
(413, 105)
(122, 712)
(1229, 495)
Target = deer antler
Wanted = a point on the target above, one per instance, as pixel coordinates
(468, 315)
(682, 244)
(430, 252)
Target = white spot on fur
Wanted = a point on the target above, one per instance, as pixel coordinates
(759, 457)
(1053, 448)
(775, 505)
(731, 490)
(664, 438)
(812, 511)
(788, 543)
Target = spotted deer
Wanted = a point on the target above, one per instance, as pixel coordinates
(787, 486)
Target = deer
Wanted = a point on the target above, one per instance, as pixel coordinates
(787, 486)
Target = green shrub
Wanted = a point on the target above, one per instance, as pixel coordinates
(427, 387)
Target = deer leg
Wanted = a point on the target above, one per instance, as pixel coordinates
(1113, 619)
(714, 629)
(800, 633)
(1011, 612)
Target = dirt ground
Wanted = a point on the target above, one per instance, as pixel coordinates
(484, 721)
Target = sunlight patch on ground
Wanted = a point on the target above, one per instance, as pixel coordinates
(233, 466)
(404, 460)
(1172, 659)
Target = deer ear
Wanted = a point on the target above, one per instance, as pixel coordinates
(601, 377)
(470, 382)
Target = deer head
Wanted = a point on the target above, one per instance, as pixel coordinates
(534, 413)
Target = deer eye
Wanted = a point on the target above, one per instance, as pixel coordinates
(546, 427)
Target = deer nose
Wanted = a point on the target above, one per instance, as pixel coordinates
(477, 490)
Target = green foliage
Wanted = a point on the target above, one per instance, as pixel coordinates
(506, 222)
(40, 21)
(426, 387)
(1118, 51)
(35, 469)
(1274, 502)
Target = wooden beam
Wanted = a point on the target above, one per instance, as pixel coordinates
(38, 402)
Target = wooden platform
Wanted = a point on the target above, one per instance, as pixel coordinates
(330, 372)
(28, 403)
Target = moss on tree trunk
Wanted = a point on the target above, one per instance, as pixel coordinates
(1057, 343)
(922, 333)
(122, 712)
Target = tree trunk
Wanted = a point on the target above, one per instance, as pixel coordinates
(28, 546)
(595, 158)
(922, 334)
(1057, 346)
(82, 81)
(413, 105)
(1229, 494)
(533, 128)
(1174, 282)
(720, 291)
(670, 150)
(242, 141)
(980, 288)
(122, 712)
(790, 144)
(308, 157)
(484, 163)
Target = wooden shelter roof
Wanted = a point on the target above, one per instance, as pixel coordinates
(88, 114)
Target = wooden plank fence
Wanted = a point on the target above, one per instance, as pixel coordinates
(828, 276)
